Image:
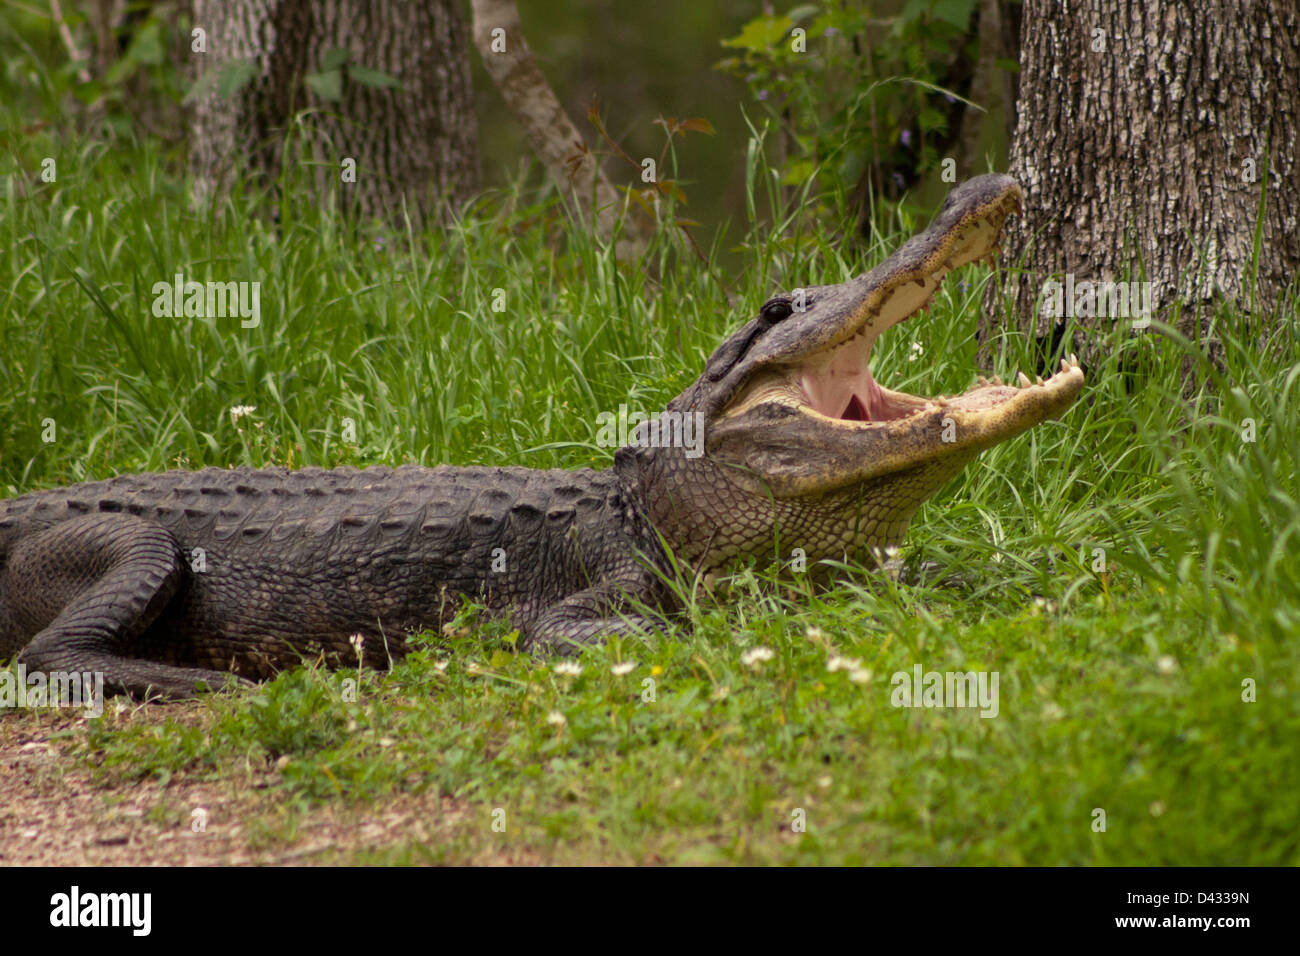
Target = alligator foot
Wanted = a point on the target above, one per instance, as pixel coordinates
(103, 579)
(587, 617)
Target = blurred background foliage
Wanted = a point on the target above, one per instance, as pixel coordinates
(865, 112)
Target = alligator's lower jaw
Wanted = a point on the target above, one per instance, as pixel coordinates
(884, 409)
(983, 415)
(837, 391)
(797, 451)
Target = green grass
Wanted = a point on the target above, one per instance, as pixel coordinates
(1121, 688)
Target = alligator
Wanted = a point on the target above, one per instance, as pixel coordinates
(169, 583)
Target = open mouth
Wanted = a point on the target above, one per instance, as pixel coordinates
(835, 382)
(838, 384)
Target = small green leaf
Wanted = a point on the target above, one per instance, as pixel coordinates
(956, 12)
(914, 9)
(88, 92)
(147, 46)
(200, 86)
(368, 77)
(334, 59)
(328, 86)
(760, 33)
(121, 69)
(233, 77)
(931, 119)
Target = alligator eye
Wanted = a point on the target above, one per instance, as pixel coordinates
(774, 310)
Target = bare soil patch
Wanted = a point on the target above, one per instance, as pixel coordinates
(54, 812)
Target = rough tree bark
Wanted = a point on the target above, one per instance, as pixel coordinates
(1151, 136)
(416, 141)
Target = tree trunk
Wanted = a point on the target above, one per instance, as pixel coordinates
(415, 141)
(989, 89)
(1154, 138)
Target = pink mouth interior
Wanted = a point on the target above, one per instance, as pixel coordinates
(842, 386)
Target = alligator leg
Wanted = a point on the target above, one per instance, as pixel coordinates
(86, 588)
(587, 617)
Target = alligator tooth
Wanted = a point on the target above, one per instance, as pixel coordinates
(997, 379)
(1039, 380)
(1065, 366)
(983, 380)
(1074, 360)
(1023, 379)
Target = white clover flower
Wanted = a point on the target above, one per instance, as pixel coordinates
(1166, 665)
(860, 675)
(239, 411)
(813, 633)
(756, 655)
(837, 663)
(625, 667)
(441, 666)
(556, 718)
(568, 668)
(917, 351)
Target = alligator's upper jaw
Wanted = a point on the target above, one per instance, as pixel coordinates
(814, 416)
(987, 413)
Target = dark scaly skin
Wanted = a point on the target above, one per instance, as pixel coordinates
(168, 582)
(295, 563)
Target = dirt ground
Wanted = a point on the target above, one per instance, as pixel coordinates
(52, 813)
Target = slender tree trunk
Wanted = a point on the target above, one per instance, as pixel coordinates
(1154, 139)
(991, 89)
(415, 141)
(572, 166)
